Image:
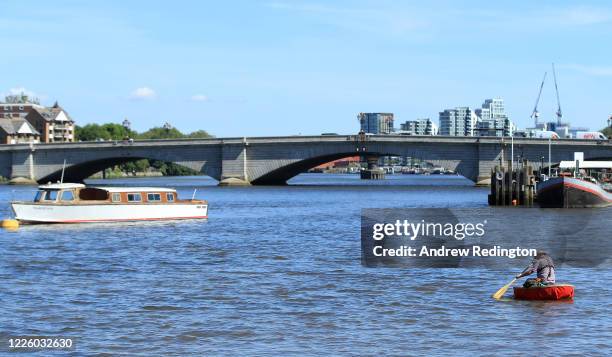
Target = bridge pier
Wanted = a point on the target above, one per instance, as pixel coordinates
(234, 163)
(234, 181)
(373, 172)
(483, 181)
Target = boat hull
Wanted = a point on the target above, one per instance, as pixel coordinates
(551, 292)
(27, 212)
(569, 192)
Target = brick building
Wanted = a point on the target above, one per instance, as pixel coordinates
(18, 106)
(51, 124)
(17, 131)
(54, 124)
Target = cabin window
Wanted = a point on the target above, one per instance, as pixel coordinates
(51, 196)
(116, 197)
(67, 196)
(170, 197)
(153, 197)
(39, 196)
(134, 197)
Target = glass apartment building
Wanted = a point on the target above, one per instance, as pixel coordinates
(419, 127)
(493, 120)
(460, 121)
(376, 123)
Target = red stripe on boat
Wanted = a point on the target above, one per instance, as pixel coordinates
(577, 186)
(129, 219)
(583, 188)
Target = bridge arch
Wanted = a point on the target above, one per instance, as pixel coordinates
(281, 175)
(285, 171)
(81, 171)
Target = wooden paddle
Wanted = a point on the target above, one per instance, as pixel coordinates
(503, 290)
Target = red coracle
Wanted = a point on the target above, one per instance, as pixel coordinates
(551, 292)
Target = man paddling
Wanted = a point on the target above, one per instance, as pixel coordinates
(543, 265)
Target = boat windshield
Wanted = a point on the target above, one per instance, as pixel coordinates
(67, 195)
(39, 195)
(51, 195)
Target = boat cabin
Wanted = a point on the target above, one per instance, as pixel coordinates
(71, 193)
(594, 171)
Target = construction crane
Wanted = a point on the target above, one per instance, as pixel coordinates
(558, 113)
(535, 114)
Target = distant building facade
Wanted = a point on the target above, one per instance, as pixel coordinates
(493, 120)
(48, 124)
(422, 126)
(17, 131)
(376, 123)
(54, 124)
(460, 121)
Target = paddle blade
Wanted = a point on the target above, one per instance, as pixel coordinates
(503, 290)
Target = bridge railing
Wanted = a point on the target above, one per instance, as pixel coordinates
(306, 139)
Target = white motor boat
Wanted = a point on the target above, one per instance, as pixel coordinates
(77, 203)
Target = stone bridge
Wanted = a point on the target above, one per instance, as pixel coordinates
(274, 160)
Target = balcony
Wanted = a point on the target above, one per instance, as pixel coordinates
(61, 127)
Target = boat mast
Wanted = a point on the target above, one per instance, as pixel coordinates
(63, 169)
(535, 114)
(558, 113)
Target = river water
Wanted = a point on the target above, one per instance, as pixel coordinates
(277, 271)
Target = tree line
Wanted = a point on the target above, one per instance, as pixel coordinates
(112, 132)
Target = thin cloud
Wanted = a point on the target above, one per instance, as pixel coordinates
(143, 93)
(377, 20)
(585, 16)
(20, 90)
(538, 18)
(421, 22)
(200, 98)
(600, 71)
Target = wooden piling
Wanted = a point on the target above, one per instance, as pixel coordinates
(512, 186)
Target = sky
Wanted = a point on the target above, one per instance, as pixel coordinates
(267, 68)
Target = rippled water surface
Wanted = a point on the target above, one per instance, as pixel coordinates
(277, 271)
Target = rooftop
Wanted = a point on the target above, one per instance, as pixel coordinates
(66, 186)
(53, 113)
(14, 126)
(61, 186)
(136, 189)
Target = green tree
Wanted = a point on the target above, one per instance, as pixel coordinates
(199, 134)
(90, 132)
(172, 169)
(109, 131)
(607, 131)
(135, 166)
(118, 131)
(161, 133)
